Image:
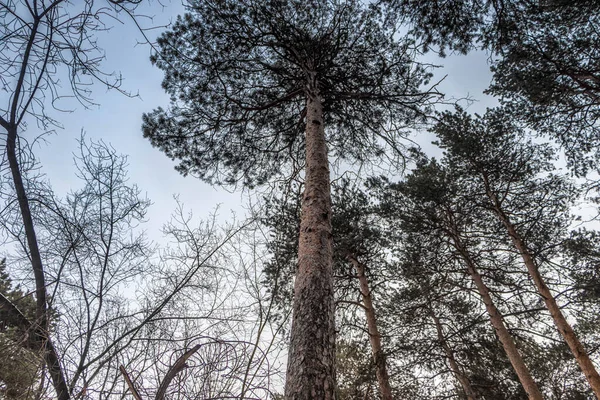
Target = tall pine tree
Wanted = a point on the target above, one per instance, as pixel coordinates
(512, 179)
(258, 86)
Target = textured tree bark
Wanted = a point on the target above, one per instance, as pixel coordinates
(533, 392)
(311, 356)
(374, 335)
(563, 326)
(458, 373)
(41, 325)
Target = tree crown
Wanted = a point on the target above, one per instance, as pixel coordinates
(239, 73)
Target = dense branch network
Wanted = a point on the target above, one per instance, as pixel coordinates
(238, 101)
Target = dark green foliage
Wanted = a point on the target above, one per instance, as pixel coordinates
(435, 283)
(357, 231)
(555, 370)
(357, 228)
(19, 366)
(546, 60)
(580, 264)
(355, 223)
(490, 163)
(282, 216)
(238, 73)
(460, 25)
(24, 302)
(582, 254)
(488, 368)
(492, 157)
(355, 374)
(549, 76)
(500, 170)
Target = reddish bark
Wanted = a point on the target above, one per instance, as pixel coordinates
(374, 335)
(563, 326)
(533, 392)
(311, 357)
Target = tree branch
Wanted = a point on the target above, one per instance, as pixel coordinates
(179, 365)
(130, 384)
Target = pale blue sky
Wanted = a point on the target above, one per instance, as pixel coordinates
(118, 120)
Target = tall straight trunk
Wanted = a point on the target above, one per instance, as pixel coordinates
(374, 337)
(533, 392)
(311, 356)
(456, 370)
(41, 324)
(564, 328)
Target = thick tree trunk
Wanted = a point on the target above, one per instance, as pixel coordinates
(374, 336)
(311, 356)
(564, 328)
(41, 323)
(533, 392)
(458, 373)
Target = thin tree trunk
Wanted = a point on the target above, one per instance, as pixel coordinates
(41, 323)
(134, 392)
(458, 373)
(564, 328)
(311, 356)
(374, 336)
(533, 392)
(177, 367)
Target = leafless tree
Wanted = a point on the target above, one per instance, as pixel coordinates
(90, 257)
(201, 290)
(44, 44)
(219, 321)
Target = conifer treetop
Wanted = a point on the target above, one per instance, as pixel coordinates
(239, 73)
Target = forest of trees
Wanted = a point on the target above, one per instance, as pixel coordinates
(367, 263)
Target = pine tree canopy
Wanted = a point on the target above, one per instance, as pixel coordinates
(239, 73)
(549, 77)
(544, 54)
(460, 25)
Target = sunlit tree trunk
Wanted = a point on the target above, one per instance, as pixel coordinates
(563, 326)
(311, 356)
(533, 392)
(374, 335)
